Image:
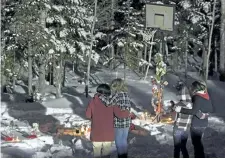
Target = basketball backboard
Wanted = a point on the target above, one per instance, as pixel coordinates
(160, 16)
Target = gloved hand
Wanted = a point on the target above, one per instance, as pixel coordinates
(204, 115)
(132, 116)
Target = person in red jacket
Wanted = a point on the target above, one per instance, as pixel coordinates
(102, 125)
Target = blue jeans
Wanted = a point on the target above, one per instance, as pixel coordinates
(121, 135)
(180, 138)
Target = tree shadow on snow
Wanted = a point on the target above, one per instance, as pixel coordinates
(148, 146)
(26, 113)
(213, 141)
(32, 112)
(141, 99)
(217, 94)
(78, 100)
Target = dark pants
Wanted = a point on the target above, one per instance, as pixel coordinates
(121, 135)
(196, 137)
(180, 138)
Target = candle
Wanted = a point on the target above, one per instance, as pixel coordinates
(82, 129)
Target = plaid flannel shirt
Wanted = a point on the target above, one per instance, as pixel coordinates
(122, 100)
(183, 121)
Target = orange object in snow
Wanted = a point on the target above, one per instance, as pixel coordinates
(72, 131)
(159, 96)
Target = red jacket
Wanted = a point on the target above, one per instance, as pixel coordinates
(102, 126)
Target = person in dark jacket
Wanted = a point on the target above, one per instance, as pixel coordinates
(202, 103)
(102, 125)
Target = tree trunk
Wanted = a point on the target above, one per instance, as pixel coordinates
(167, 50)
(54, 71)
(64, 73)
(77, 63)
(73, 65)
(112, 56)
(140, 68)
(30, 73)
(90, 51)
(14, 72)
(42, 61)
(210, 41)
(149, 57)
(52, 75)
(58, 81)
(111, 37)
(14, 82)
(125, 61)
(186, 55)
(215, 56)
(49, 74)
(222, 38)
(204, 57)
(41, 78)
(145, 54)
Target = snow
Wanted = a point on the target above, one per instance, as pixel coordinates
(49, 19)
(120, 44)
(185, 4)
(70, 111)
(51, 51)
(83, 33)
(63, 33)
(95, 57)
(99, 35)
(58, 8)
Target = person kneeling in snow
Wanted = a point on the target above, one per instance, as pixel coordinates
(133, 128)
(102, 126)
(201, 103)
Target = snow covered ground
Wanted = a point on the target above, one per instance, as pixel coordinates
(70, 110)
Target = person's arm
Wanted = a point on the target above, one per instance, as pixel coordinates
(193, 111)
(201, 115)
(120, 113)
(89, 109)
(132, 110)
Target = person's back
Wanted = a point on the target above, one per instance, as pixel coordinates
(102, 121)
(102, 130)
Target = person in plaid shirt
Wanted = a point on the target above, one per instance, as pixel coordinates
(119, 98)
(182, 123)
(201, 105)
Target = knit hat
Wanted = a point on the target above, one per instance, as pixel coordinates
(198, 86)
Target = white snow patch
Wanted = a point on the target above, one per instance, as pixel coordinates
(185, 4)
(51, 51)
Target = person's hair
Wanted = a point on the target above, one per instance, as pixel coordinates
(198, 86)
(104, 89)
(118, 85)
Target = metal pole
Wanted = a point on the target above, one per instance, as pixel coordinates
(186, 55)
(163, 46)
